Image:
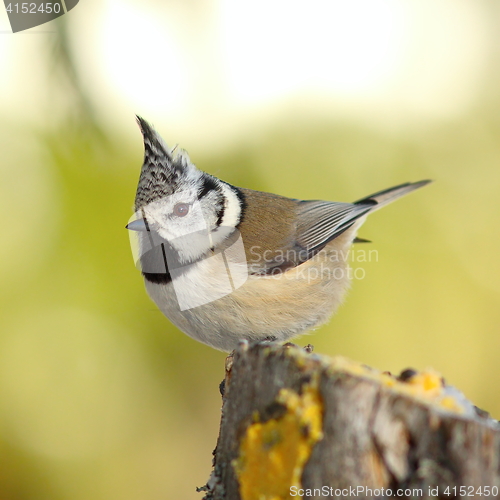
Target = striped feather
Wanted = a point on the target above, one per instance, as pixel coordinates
(321, 221)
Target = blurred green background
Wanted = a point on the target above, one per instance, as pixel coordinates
(100, 396)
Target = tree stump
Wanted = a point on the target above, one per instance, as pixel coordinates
(298, 425)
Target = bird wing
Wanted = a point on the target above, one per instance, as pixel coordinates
(321, 221)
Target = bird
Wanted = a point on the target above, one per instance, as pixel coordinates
(227, 264)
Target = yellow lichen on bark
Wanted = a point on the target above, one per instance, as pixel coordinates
(273, 453)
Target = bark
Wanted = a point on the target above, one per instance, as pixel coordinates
(295, 424)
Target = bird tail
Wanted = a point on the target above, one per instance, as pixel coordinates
(382, 198)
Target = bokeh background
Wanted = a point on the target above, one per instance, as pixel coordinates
(100, 396)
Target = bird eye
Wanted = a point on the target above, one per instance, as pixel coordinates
(181, 209)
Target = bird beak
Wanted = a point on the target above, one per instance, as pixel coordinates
(137, 225)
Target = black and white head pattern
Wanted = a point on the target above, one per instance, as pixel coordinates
(190, 209)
